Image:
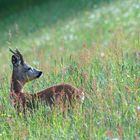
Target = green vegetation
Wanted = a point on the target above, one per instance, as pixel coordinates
(92, 45)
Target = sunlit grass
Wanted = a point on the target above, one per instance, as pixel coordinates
(96, 49)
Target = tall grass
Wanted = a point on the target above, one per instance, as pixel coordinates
(95, 48)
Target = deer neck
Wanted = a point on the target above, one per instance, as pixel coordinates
(16, 85)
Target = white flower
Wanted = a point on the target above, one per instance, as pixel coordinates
(138, 108)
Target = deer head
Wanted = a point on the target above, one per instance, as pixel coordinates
(22, 72)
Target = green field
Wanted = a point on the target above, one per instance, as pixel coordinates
(93, 45)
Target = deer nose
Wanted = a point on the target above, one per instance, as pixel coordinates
(40, 73)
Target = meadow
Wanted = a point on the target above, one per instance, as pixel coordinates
(94, 45)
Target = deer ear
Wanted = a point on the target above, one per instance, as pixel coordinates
(15, 60)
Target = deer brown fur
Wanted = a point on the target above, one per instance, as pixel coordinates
(60, 95)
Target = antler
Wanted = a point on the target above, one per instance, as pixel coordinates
(17, 54)
(20, 55)
(12, 51)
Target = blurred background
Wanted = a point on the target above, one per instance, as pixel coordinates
(47, 31)
(47, 26)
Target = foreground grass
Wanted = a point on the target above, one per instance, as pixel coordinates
(96, 49)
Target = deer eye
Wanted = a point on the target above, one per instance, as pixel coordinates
(29, 68)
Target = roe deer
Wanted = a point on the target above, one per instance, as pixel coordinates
(58, 94)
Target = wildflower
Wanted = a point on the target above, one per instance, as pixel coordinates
(20, 114)
(102, 54)
(3, 115)
(138, 108)
(128, 76)
(9, 115)
(138, 111)
(115, 139)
